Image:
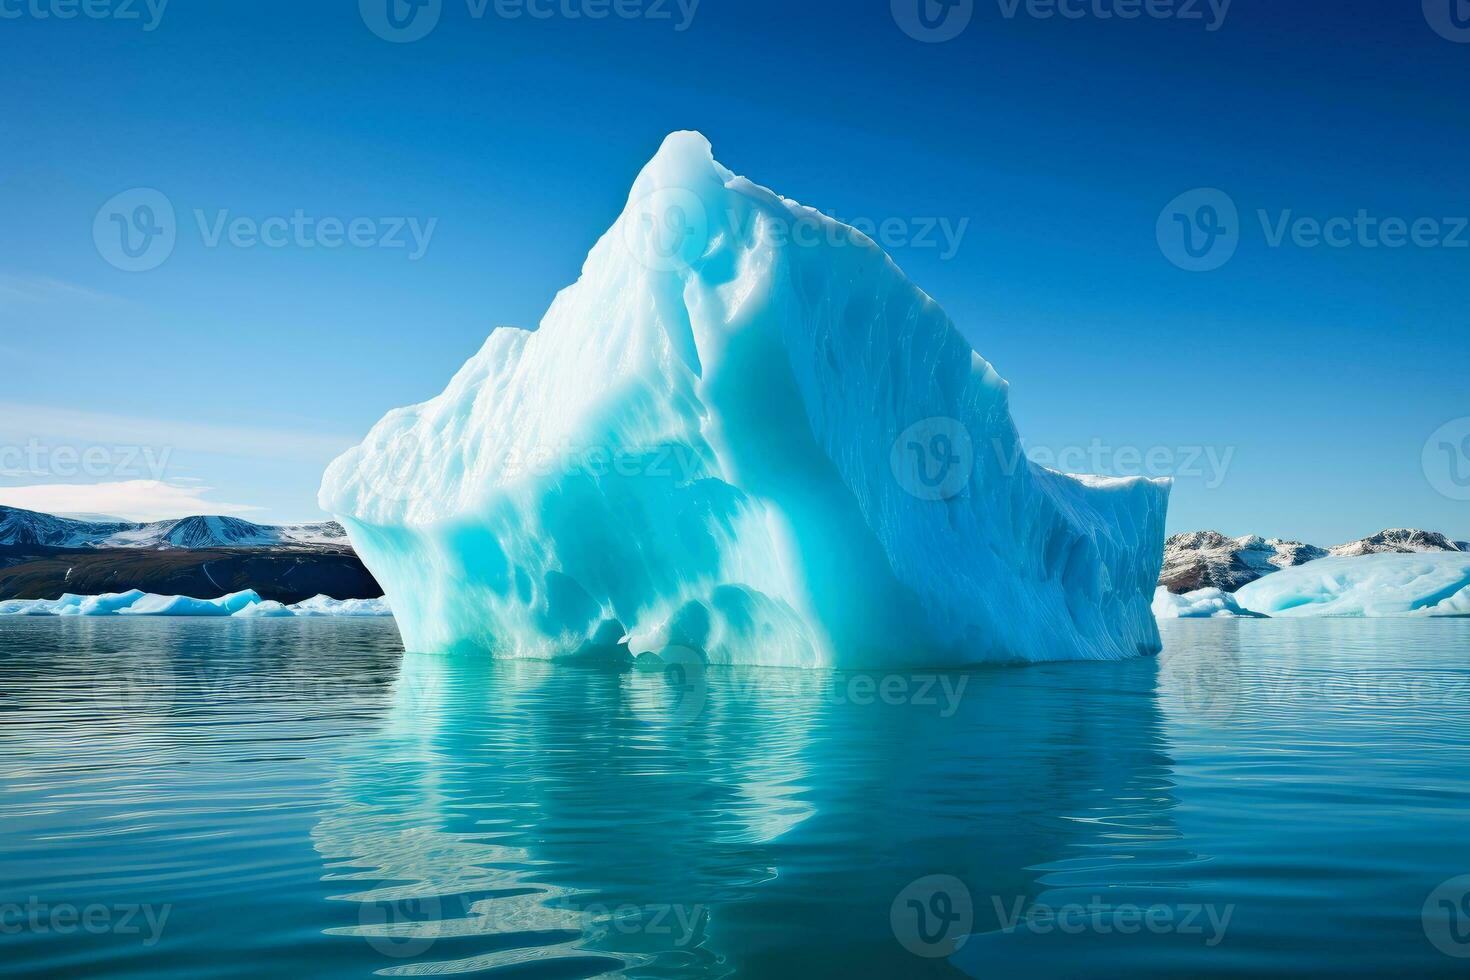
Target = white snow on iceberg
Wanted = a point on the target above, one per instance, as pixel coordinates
(1200, 604)
(1368, 586)
(742, 431)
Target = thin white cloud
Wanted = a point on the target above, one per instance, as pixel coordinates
(41, 289)
(135, 500)
(21, 423)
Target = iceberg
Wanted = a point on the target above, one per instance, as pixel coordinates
(178, 605)
(269, 609)
(318, 606)
(326, 606)
(1374, 585)
(71, 605)
(743, 432)
(1207, 603)
(99, 605)
(30, 607)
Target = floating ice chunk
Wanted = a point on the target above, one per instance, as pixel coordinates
(100, 605)
(177, 605)
(1200, 604)
(745, 432)
(1370, 586)
(71, 605)
(245, 604)
(327, 606)
(265, 610)
(320, 606)
(30, 607)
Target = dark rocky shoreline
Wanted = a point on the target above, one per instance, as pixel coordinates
(285, 574)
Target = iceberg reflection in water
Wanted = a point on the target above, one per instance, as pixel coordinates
(728, 819)
(299, 796)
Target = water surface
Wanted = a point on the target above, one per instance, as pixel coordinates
(221, 798)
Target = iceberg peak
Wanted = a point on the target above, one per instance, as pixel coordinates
(686, 160)
(745, 432)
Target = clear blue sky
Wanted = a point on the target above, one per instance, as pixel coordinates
(1319, 374)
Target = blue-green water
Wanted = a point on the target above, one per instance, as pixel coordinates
(298, 798)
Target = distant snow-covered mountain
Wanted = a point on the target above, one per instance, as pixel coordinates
(26, 527)
(1209, 559)
(1399, 540)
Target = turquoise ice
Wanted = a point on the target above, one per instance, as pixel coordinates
(745, 432)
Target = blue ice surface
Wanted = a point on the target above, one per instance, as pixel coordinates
(245, 604)
(1371, 586)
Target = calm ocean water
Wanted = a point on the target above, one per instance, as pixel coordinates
(299, 798)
